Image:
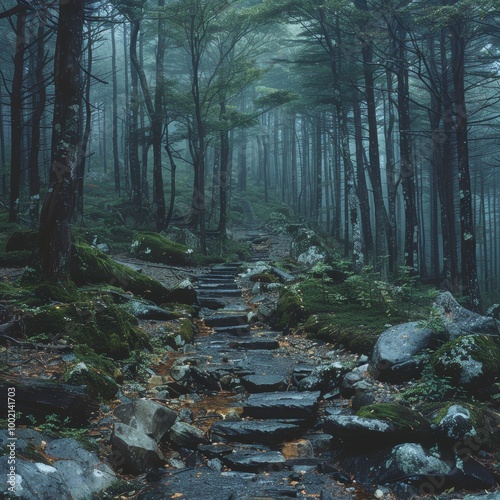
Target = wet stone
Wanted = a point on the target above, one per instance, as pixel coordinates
(255, 461)
(255, 431)
(217, 320)
(282, 405)
(237, 331)
(263, 383)
(255, 344)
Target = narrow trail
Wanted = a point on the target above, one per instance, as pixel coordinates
(263, 438)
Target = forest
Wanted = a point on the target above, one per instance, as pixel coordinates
(250, 237)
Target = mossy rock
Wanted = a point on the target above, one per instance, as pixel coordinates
(403, 419)
(11, 291)
(290, 310)
(263, 278)
(485, 421)
(17, 258)
(154, 247)
(104, 328)
(45, 293)
(22, 241)
(469, 361)
(91, 266)
(99, 384)
(350, 326)
(182, 332)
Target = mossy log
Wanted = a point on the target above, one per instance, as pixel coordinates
(41, 398)
(91, 266)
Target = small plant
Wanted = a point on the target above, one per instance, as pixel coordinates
(54, 425)
(434, 322)
(432, 387)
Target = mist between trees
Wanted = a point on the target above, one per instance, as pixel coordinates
(374, 121)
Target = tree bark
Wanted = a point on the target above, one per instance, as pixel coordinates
(16, 113)
(57, 210)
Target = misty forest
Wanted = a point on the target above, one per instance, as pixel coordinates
(250, 249)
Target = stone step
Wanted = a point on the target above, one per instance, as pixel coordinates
(211, 302)
(216, 286)
(217, 294)
(237, 331)
(254, 461)
(215, 279)
(282, 405)
(255, 344)
(263, 383)
(218, 320)
(255, 431)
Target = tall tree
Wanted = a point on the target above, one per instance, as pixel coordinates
(57, 210)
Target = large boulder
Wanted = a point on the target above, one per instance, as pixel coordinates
(456, 424)
(412, 459)
(151, 418)
(133, 451)
(393, 357)
(458, 320)
(469, 361)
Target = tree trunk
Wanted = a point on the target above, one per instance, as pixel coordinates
(405, 152)
(39, 98)
(470, 286)
(157, 125)
(133, 141)
(381, 220)
(16, 113)
(116, 158)
(57, 210)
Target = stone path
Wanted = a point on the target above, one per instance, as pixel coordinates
(266, 446)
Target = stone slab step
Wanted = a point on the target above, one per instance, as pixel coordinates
(282, 405)
(237, 331)
(254, 460)
(218, 320)
(211, 302)
(255, 431)
(255, 344)
(263, 383)
(217, 294)
(216, 286)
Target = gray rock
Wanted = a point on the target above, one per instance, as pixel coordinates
(143, 310)
(254, 431)
(347, 389)
(411, 458)
(25, 439)
(133, 451)
(255, 461)
(352, 425)
(151, 418)
(459, 321)
(393, 355)
(185, 435)
(323, 377)
(83, 479)
(263, 383)
(282, 405)
(35, 480)
(457, 424)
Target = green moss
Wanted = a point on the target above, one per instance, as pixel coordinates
(99, 384)
(479, 352)
(45, 293)
(404, 419)
(290, 310)
(263, 278)
(154, 247)
(353, 327)
(90, 266)
(485, 421)
(104, 328)
(186, 330)
(17, 258)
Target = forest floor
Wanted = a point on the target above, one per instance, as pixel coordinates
(294, 345)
